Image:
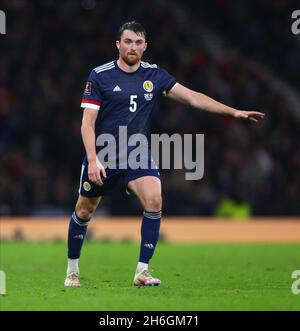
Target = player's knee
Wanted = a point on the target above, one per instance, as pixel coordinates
(84, 212)
(153, 203)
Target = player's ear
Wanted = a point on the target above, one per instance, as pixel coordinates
(146, 44)
(118, 44)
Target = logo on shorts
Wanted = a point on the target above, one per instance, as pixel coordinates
(148, 86)
(87, 186)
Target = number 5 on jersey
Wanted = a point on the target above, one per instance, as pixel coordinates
(133, 103)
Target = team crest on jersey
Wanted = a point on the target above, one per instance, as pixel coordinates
(148, 86)
(88, 88)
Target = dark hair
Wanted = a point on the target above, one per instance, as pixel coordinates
(133, 26)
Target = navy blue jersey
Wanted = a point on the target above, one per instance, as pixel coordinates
(125, 99)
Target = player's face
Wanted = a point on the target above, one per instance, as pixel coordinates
(131, 47)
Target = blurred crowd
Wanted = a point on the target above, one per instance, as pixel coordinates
(46, 56)
(260, 29)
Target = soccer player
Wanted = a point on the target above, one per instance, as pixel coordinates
(123, 93)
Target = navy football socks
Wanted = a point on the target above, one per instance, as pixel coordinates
(150, 234)
(76, 234)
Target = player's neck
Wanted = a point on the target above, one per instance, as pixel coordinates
(125, 67)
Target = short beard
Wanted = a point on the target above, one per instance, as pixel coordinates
(130, 63)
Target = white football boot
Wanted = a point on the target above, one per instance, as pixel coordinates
(72, 279)
(144, 278)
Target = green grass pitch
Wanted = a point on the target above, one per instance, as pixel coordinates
(194, 277)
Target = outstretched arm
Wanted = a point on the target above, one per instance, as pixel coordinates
(201, 101)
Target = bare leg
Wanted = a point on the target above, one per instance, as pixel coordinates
(85, 207)
(148, 190)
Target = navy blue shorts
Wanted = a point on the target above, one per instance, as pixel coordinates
(90, 190)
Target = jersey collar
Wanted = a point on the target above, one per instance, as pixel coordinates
(125, 72)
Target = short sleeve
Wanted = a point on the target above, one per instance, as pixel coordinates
(92, 97)
(167, 81)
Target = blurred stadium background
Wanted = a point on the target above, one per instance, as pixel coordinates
(242, 53)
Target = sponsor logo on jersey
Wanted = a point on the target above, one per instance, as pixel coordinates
(117, 89)
(88, 88)
(87, 186)
(148, 96)
(148, 86)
